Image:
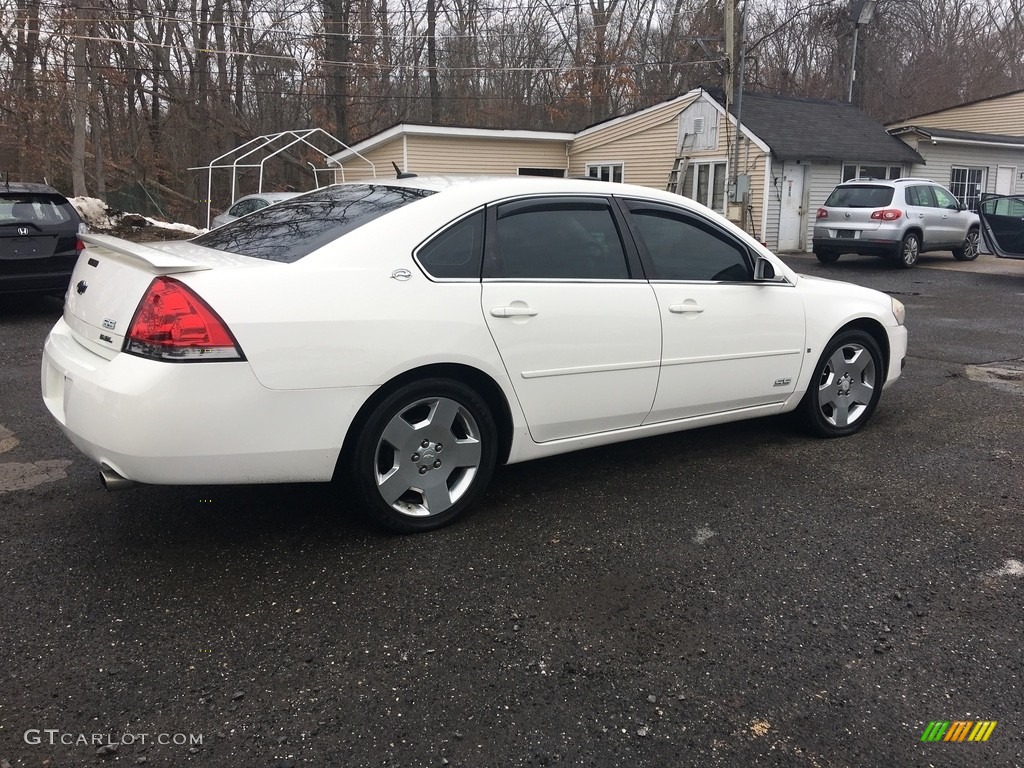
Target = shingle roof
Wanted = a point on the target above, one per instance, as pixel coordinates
(815, 129)
(948, 133)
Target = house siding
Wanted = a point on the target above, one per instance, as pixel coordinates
(618, 130)
(456, 155)
(999, 115)
(774, 203)
(751, 162)
(356, 169)
(824, 178)
(646, 155)
(437, 154)
(940, 159)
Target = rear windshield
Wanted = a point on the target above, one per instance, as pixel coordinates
(294, 228)
(31, 208)
(860, 196)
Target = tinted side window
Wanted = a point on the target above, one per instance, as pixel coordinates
(682, 247)
(296, 227)
(456, 252)
(944, 199)
(919, 196)
(552, 240)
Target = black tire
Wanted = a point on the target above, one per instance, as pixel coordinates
(910, 250)
(424, 455)
(826, 256)
(845, 387)
(969, 250)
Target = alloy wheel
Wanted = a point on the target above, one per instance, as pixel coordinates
(846, 386)
(427, 457)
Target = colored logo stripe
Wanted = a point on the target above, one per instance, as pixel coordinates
(958, 730)
(982, 730)
(935, 731)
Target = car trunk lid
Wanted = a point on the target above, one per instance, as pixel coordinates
(112, 276)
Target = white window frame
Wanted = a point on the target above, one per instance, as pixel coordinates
(692, 178)
(594, 171)
(961, 188)
(893, 171)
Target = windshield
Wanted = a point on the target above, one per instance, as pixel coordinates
(31, 208)
(294, 228)
(860, 196)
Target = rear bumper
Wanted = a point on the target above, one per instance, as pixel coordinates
(192, 423)
(41, 282)
(866, 246)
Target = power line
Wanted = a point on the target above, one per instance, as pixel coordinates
(391, 66)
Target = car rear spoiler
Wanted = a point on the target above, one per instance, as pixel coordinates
(157, 260)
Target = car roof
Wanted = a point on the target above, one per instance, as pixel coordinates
(490, 188)
(22, 188)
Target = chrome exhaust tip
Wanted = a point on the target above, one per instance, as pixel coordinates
(112, 481)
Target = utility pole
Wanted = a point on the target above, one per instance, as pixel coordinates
(730, 50)
(861, 12)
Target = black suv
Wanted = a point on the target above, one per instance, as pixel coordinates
(39, 241)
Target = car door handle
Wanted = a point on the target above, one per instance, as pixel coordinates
(680, 309)
(513, 312)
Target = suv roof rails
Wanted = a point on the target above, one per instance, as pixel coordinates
(890, 181)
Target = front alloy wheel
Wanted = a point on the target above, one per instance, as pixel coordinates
(846, 385)
(970, 249)
(426, 453)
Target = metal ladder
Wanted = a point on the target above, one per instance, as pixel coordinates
(678, 172)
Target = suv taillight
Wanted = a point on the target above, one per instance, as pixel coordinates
(173, 323)
(822, 213)
(887, 214)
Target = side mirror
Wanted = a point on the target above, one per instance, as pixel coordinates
(764, 272)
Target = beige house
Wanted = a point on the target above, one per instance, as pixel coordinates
(974, 148)
(790, 154)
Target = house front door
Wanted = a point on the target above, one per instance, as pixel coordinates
(791, 212)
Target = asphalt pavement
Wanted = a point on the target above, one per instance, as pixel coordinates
(734, 596)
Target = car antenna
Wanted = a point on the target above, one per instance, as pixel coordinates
(400, 174)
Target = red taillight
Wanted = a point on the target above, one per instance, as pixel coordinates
(822, 213)
(79, 247)
(173, 323)
(887, 214)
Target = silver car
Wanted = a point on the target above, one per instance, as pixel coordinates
(243, 206)
(897, 219)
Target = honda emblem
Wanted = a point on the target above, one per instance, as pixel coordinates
(23, 231)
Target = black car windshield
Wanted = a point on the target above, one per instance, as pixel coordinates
(860, 196)
(294, 228)
(31, 208)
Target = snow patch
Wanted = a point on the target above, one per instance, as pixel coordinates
(99, 217)
(703, 534)
(1010, 568)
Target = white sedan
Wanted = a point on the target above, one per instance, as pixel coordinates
(406, 336)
